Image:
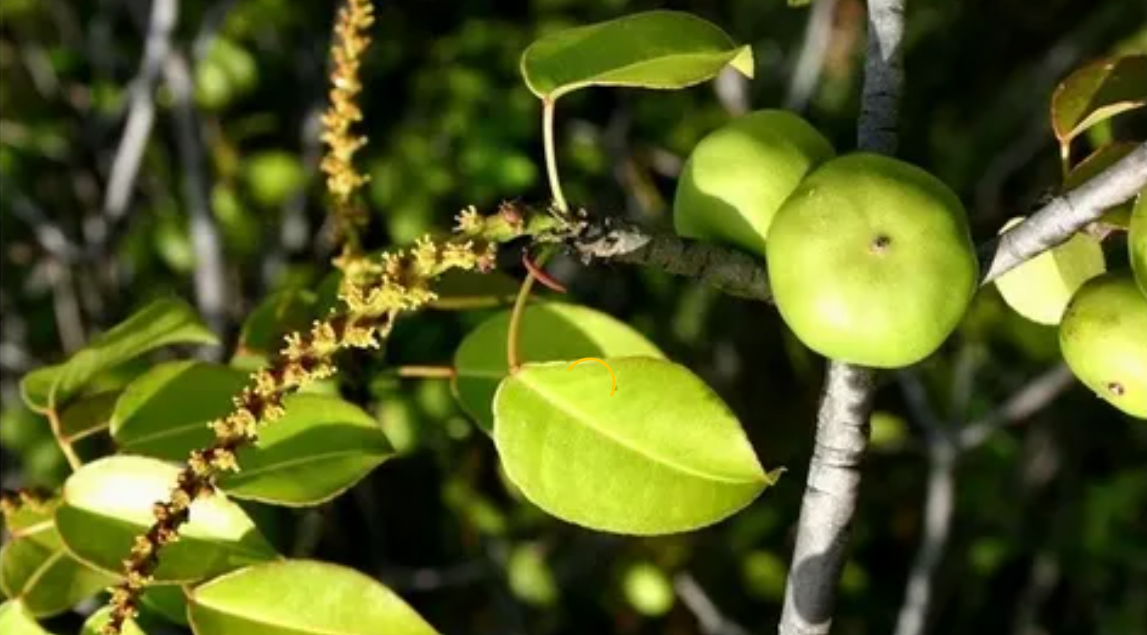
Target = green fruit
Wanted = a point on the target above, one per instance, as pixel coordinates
(871, 261)
(1040, 288)
(740, 174)
(273, 177)
(1103, 337)
(1137, 241)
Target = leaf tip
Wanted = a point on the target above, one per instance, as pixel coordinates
(743, 61)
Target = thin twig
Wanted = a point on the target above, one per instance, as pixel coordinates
(426, 372)
(1033, 397)
(210, 279)
(810, 60)
(140, 119)
(939, 502)
(709, 617)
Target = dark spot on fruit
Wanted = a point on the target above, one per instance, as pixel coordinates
(881, 243)
(1115, 388)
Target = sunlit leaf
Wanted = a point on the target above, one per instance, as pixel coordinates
(549, 332)
(15, 619)
(107, 503)
(165, 412)
(663, 454)
(35, 568)
(293, 597)
(656, 49)
(1098, 91)
(319, 448)
(168, 321)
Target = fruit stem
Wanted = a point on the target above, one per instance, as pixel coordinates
(551, 159)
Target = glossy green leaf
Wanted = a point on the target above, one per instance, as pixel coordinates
(656, 49)
(108, 503)
(35, 568)
(95, 623)
(469, 290)
(15, 619)
(1137, 241)
(168, 321)
(1096, 92)
(88, 415)
(295, 597)
(280, 313)
(165, 412)
(663, 454)
(168, 602)
(319, 448)
(549, 332)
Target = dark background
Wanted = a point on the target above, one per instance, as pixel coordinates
(1050, 532)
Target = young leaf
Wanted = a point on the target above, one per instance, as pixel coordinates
(1096, 92)
(88, 414)
(1137, 241)
(319, 448)
(656, 49)
(15, 619)
(549, 332)
(109, 502)
(168, 321)
(300, 596)
(663, 454)
(35, 568)
(165, 412)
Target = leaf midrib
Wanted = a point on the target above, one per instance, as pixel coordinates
(573, 411)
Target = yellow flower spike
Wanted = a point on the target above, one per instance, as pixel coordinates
(469, 221)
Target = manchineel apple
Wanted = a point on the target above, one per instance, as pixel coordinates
(1040, 288)
(1103, 337)
(1137, 241)
(737, 177)
(872, 262)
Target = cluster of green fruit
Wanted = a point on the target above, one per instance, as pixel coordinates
(872, 262)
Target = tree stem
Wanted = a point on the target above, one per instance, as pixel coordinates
(846, 402)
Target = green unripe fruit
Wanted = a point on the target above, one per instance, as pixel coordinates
(871, 261)
(1103, 337)
(1040, 288)
(740, 174)
(1137, 241)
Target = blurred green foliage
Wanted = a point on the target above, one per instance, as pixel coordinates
(451, 124)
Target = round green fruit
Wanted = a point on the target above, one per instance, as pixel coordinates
(1040, 288)
(740, 174)
(872, 262)
(1137, 241)
(1103, 337)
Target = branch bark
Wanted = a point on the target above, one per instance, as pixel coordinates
(140, 120)
(210, 279)
(732, 271)
(842, 421)
(1065, 215)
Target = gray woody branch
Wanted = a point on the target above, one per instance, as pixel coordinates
(740, 274)
(846, 401)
